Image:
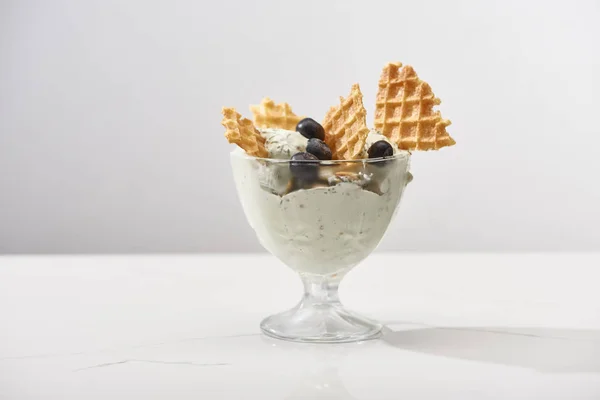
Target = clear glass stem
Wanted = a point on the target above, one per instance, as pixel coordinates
(320, 316)
(320, 292)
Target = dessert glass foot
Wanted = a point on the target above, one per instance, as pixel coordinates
(320, 218)
(320, 317)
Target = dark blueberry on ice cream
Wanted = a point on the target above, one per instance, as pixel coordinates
(309, 128)
(319, 149)
(305, 166)
(380, 149)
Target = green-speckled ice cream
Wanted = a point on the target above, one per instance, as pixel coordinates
(322, 229)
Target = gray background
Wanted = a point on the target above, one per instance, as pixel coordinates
(110, 135)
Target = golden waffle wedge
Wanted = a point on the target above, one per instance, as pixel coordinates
(242, 132)
(404, 111)
(346, 127)
(267, 114)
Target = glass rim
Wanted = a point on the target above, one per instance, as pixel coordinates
(401, 154)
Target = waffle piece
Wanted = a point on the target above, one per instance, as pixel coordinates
(346, 127)
(267, 114)
(404, 111)
(242, 132)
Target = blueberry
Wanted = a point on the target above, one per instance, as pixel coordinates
(305, 167)
(380, 149)
(319, 149)
(309, 128)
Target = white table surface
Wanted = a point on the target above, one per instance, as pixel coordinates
(186, 327)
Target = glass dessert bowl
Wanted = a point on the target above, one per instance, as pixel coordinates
(320, 197)
(320, 218)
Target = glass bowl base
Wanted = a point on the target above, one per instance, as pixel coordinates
(320, 323)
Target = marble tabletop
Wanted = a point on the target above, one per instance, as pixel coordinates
(479, 326)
